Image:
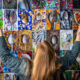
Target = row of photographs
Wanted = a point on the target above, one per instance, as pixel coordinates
(26, 40)
(68, 75)
(36, 19)
(39, 4)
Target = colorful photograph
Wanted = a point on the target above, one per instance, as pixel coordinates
(53, 19)
(25, 40)
(25, 4)
(10, 20)
(75, 75)
(9, 4)
(1, 19)
(37, 37)
(39, 19)
(12, 41)
(24, 19)
(66, 39)
(53, 37)
(66, 19)
(0, 4)
(10, 76)
(38, 4)
(52, 4)
(76, 19)
(1, 76)
(66, 4)
(25, 54)
(67, 75)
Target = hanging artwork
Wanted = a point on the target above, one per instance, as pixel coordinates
(66, 4)
(37, 37)
(24, 19)
(11, 38)
(25, 54)
(1, 19)
(25, 40)
(66, 19)
(25, 4)
(53, 38)
(1, 66)
(52, 4)
(9, 4)
(10, 20)
(1, 76)
(74, 33)
(39, 19)
(38, 4)
(53, 19)
(67, 75)
(76, 19)
(0, 4)
(76, 4)
(5, 69)
(10, 76)
(57, 52)
(66, 39)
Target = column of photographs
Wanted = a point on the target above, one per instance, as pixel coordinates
(26, 23)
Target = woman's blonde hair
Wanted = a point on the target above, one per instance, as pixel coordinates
(46, 66)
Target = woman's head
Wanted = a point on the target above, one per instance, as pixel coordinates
(45, 62)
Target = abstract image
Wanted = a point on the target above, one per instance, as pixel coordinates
(24, 19)
(53, 19)
(25, 54)
(10, 20)
(9, 4)
(0, 4)
(66, 19)
(66, 39)
(1, 19)
(37, 37)
(25, 40)
(66, 4)
(25, 4)
(52, 4)
(39, 4)
(39, 19)
(76, 19)
(53, 38)
(11, 38)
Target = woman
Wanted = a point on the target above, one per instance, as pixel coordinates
(45, 65)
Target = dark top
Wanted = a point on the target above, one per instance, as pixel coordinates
(19, 66)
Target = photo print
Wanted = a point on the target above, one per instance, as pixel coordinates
(25, 54)
(39, 19)
(1, 66)
(25, 4)
(25, 40)
(1, 76)
(12, 40)
(10, 20)
(52, 4)
(76, 19)
(53, 38)
(53, 19)
(0, 4)
(66, 39)
(9, 4)
(66, 19)
(38, 4)
(1, 19)
(37, 37)
(66, 4)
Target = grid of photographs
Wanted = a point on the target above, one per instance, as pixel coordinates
(26, 23)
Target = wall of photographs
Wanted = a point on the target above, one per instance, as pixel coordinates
(26, 23)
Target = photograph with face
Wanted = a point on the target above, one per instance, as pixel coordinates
(66, 19)
(9, 4)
